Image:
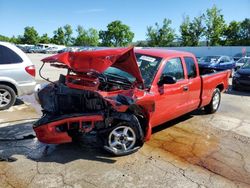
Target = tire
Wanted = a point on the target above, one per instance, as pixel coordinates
(214, 104)
(122, 139)
(7, 97)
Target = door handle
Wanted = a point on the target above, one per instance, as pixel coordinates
(185, 88)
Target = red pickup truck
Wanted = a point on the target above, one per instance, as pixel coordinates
(121, 94)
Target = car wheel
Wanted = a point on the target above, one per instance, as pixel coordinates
(7, 97)
(213, 106)
(122, 139)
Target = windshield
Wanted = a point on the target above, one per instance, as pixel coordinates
(209, 59)
(246, 65)
(148, 66)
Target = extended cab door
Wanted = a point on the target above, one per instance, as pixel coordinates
(194, 83)
(170, 99)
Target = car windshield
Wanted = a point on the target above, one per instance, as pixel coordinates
(209, 59)
(148, 66)
(246, 65)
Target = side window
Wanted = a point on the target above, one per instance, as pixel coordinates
(227, 59)
(7, 56)
(191, 68)
(223, 60)
(173, 67)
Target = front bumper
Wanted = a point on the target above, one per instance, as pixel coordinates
(56, 130)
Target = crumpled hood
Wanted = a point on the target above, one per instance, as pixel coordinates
(99, 60)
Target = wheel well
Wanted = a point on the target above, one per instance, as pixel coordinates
(139, 112)
(220, 87)
(10, 85)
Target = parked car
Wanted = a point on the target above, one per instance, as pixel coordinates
(24, 48)
(52, 50)
(241, 79)
(122, 95)
(68, 49)
(17, 74)
(217, 63)
(35, 49)
(241, 62)
(237, 56)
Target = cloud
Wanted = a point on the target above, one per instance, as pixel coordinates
(94, 10)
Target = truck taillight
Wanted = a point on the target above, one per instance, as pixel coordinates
(31, 70)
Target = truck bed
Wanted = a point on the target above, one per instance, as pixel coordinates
(211, 79)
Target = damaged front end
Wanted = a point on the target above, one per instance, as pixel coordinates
(85, 101)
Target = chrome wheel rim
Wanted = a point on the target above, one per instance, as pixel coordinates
(5, 97)
(122, 138)
(216, 100)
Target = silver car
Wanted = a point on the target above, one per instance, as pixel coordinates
(17, 74)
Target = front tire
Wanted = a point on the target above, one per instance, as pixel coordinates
(214, 104)
(7, 97)
(122, 139)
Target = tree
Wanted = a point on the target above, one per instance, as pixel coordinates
(160, 36)
(232, 33)
(30, 36)
(44, 39)
(141, 43)
(196, 30)
(4, 38)
(16, 40)
(59, 37)
(68, 34)
(88, 37)
(245, 32)
(117, 34)
(186, 38)
(215, 26)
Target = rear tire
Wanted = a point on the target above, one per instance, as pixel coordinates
(7, 97)
(214, 104)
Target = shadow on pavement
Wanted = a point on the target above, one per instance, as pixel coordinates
(18, 102)
(19, 139)
(174, 122)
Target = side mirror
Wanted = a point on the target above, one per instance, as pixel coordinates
(166, 79)
(222, 61)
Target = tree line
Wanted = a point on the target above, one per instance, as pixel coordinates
(208, 29)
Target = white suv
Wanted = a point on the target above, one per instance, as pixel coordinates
(17, 74)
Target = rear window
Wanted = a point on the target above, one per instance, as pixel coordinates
(191, 68)
(7, 56)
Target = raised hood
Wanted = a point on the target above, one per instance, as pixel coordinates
(99, 60)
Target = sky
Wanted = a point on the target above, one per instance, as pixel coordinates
(47, 15)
